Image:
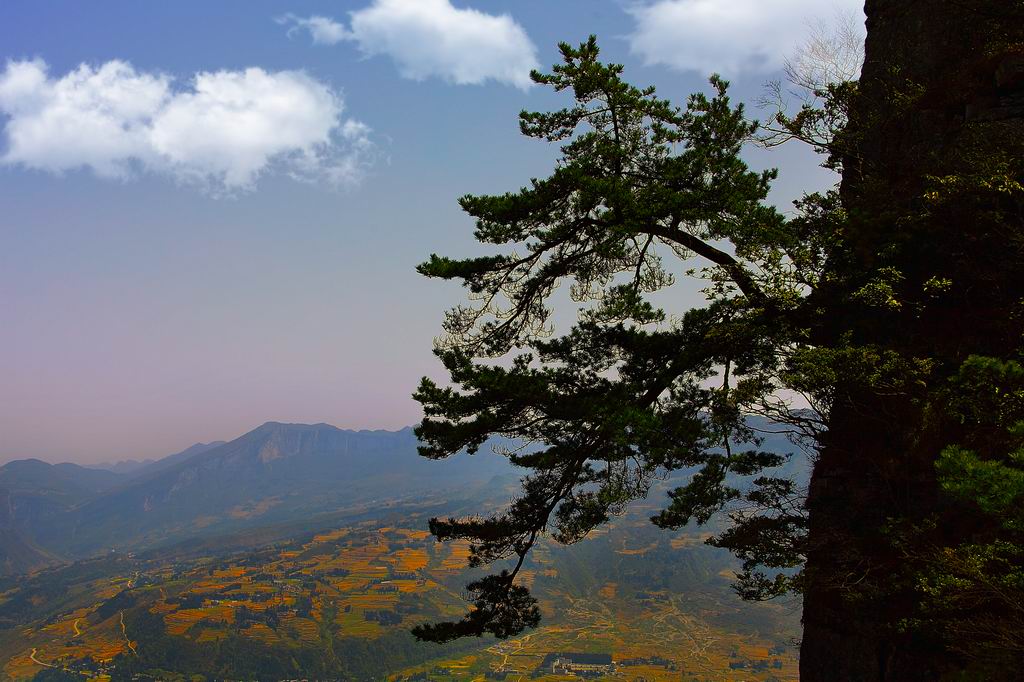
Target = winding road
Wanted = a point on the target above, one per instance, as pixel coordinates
(124, 631)
(37, 661)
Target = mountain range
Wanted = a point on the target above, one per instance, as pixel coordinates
(135, 467)
(275, 476)
(274, 473)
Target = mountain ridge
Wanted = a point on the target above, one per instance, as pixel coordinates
(276, 472)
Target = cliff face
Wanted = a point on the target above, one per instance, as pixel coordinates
(941, 95)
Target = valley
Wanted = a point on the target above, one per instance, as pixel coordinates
(339, 604)
(301, 551)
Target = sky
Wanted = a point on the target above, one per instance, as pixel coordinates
(212, 211)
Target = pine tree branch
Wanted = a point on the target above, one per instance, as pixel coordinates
(737, 272)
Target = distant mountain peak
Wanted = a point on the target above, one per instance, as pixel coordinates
(324, 426)
(27, 464)
(292, 425)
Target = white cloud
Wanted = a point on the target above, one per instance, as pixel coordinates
(731, 37)
(222, 130)
(433, 38)
(323, 30)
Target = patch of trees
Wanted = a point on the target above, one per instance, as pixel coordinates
(44, 594)
(384, 617)
(119, 602)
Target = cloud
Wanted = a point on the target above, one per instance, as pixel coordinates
(323, 30)
(222, 130)
(731, 37)
(432, 38)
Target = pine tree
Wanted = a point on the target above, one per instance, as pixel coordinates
(629, 392)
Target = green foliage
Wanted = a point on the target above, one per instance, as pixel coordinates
(500, 609)
(631, 391)
(997, 488)
(819, 121)
(974, 591)
(56, 675)
(45, 593)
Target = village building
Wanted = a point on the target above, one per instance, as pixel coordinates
(581, 664)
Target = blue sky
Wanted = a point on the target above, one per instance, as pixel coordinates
(186, 252)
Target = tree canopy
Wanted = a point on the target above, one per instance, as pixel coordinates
(632, 390)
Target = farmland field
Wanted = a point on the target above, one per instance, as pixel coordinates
(339, 604)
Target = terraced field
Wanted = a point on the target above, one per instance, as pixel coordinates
(658, 640)
(341, 602)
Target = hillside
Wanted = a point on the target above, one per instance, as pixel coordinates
(338, 604)
(274, 473)
(134, 467)
(33, 494)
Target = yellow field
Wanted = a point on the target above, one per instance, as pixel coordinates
(411, 559)
(99, 649)
(229, 573)
(408, 586)
(178, 622)
(66, 627)
(331, 536)
(457, 557)
(637, 551)
(689, 540)
(305, 629)
(262, 633)
(372, 601)
(340, 576)
(414, 535)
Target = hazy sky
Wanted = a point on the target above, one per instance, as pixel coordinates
(211, 211)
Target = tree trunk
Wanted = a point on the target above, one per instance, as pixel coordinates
(942, 91)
